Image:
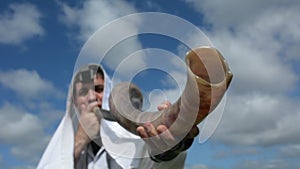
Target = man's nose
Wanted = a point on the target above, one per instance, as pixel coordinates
(91, 96)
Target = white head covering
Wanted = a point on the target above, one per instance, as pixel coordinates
(125, 147)
(118, 142)
(60, 150)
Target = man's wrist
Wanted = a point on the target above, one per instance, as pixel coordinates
(81, 140)
(173, 152)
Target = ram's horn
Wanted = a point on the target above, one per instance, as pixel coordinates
(208, 77)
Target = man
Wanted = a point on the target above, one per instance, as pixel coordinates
(91, 91)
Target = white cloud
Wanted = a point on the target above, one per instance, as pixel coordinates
(30, 152)
(19, 23)
(256, 55)
(259, 120)
(93, 15)
(290, 151)
(123, 53)
(234, 12)
(264, 22)
(266, 164)
(260, 19)
(174, 79)
(153, 5)
(198, 166)
(259, 41)
(237, 152)
(17, 124)
(23, 131)
(50, 115)
(255, 68)
(28, 84)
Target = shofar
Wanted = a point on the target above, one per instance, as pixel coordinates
(208, 77)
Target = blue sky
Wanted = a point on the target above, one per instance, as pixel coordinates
(40, 42)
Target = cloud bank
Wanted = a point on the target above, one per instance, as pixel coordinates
(19, 23)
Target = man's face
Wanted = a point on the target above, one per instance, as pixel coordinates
(89, 92)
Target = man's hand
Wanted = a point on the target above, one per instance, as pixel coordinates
(161, 138)
(89, 123)
(148, 130)
(88, 128)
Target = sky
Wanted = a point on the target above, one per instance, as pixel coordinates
(41, 41)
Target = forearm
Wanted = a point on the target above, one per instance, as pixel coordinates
(80, 142)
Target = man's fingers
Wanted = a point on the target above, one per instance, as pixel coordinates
(164, 105)
(142, 132)
(158, 139)
(91, 106)
(161, 129)
(144, 135)
(150, 129)
(165, 134)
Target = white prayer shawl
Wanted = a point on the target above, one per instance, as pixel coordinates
(125, 147)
